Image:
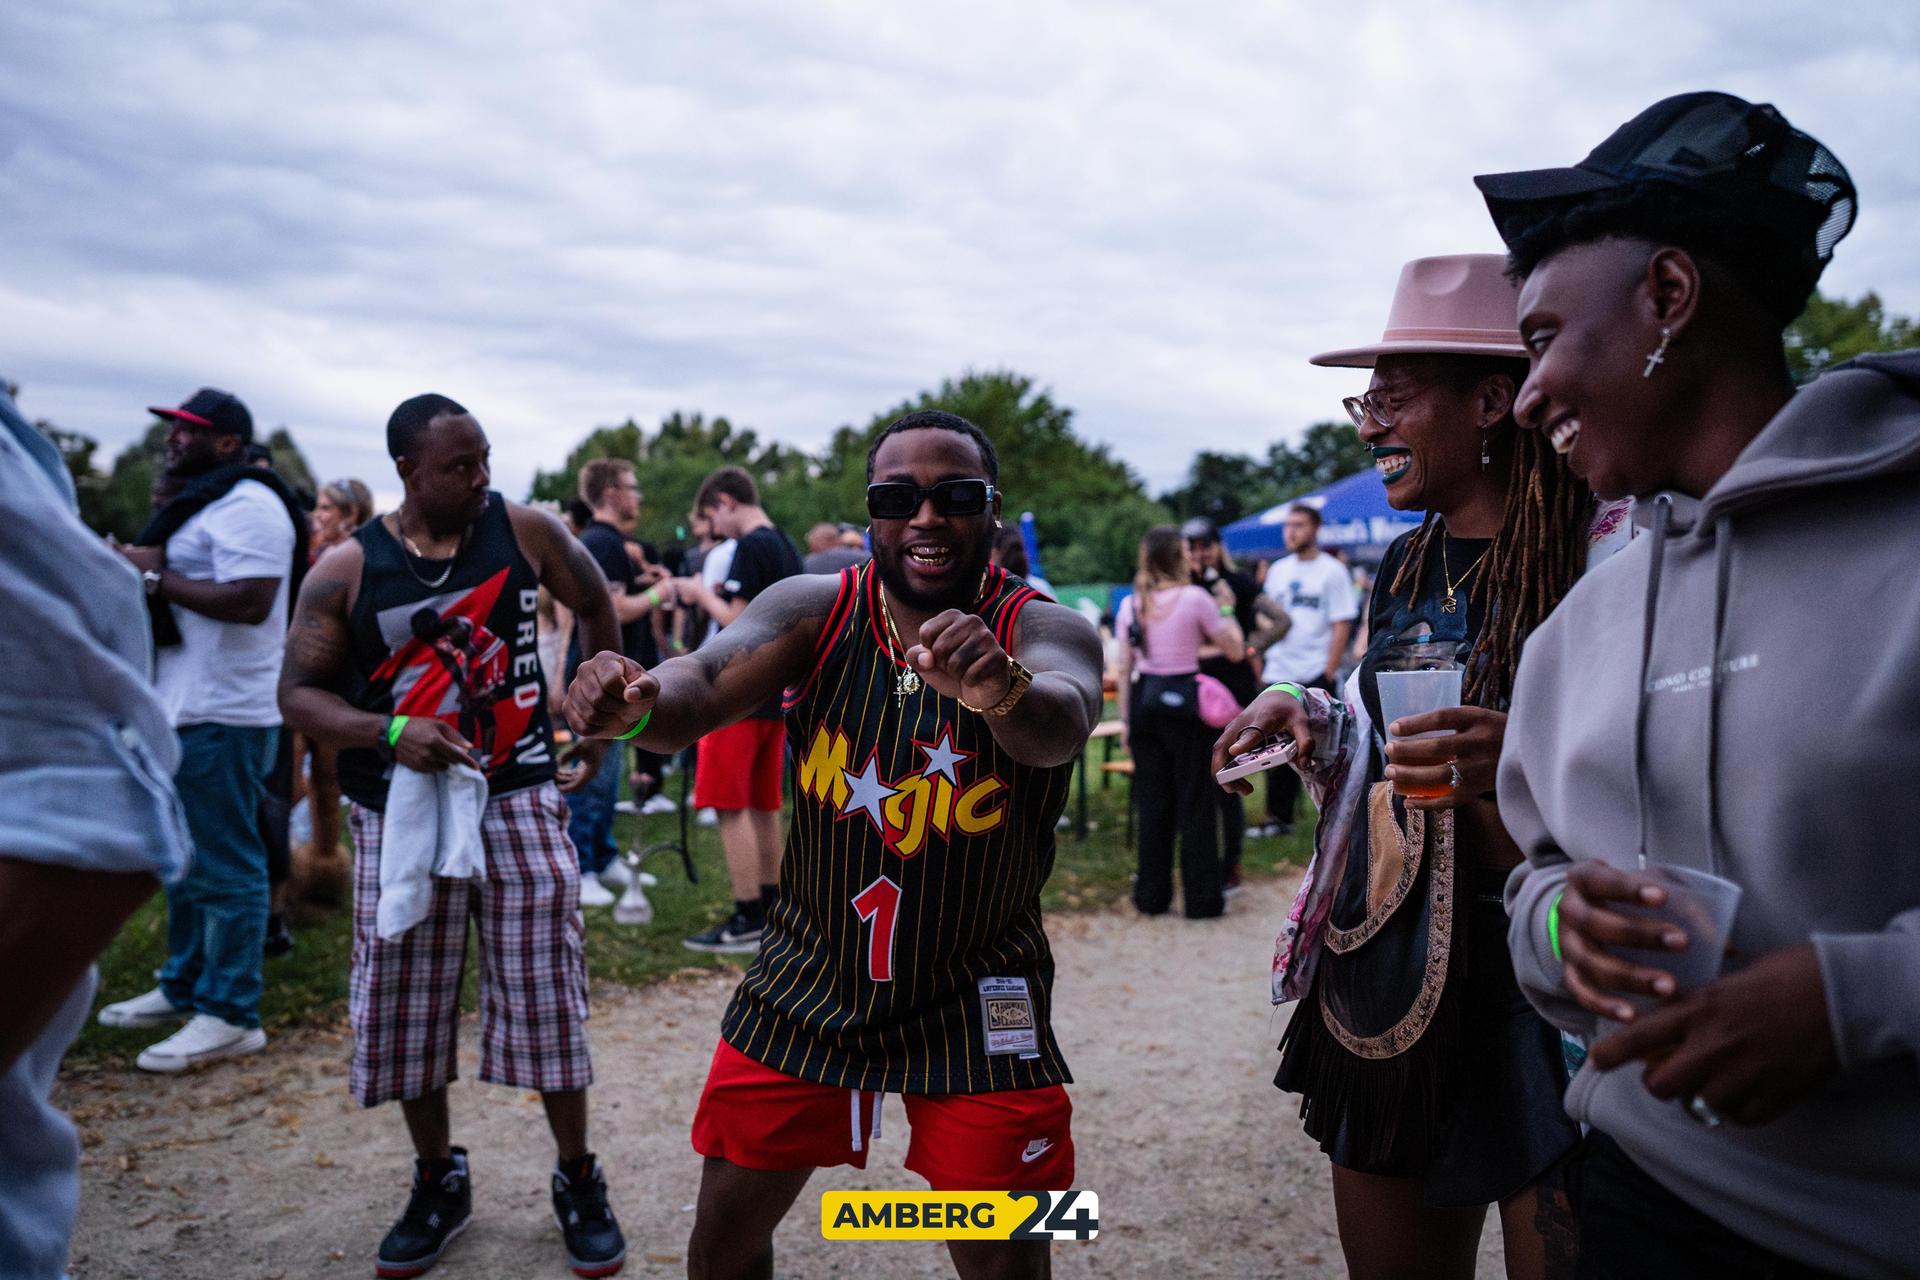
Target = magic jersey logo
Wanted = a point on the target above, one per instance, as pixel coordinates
(909, 810)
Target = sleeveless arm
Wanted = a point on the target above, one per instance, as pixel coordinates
(1051, 724)
(319, 656)
(770, 646)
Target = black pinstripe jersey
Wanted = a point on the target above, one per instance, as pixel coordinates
(905, 952)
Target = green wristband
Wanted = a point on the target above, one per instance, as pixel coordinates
(638, 725)
(653, 596)
(1553, 926)
(396, 725)
(1289, 688)
(1226, 611)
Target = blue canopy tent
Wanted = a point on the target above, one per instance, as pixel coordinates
(1354, 515)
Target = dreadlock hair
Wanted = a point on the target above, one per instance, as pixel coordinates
(1539, 551)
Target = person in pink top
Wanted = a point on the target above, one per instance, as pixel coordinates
(1161, 629)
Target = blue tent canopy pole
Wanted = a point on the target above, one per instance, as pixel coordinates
(1030, 536)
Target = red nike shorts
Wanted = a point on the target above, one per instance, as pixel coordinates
(740, 766)
(759, 1118)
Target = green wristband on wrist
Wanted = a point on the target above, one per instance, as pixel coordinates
(638, 725)
(396, 725)
(1289, 688)
(1553, 926)
(653, 597)
(1226, 611)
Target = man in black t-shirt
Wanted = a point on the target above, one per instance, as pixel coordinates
(608, 487)
(740, 765)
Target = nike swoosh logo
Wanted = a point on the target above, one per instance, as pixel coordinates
(1030, 1155)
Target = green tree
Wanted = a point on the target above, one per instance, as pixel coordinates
(1832, 329)
(1226, 487)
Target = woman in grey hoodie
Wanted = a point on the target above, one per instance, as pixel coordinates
(1735, 692)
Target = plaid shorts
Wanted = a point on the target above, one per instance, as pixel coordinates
(404, 995)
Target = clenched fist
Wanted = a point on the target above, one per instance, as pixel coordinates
(608, 695)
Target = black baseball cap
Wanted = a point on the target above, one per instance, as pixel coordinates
(1200, 529)
(212, 408)
(1741, 156)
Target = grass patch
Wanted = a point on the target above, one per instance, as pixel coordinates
(309, 987)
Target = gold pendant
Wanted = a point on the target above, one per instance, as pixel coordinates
(1449, 605)
(906, 686)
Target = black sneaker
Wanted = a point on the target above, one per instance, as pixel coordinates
(279, 938)
(737, 936)
(439, 1209)
(595, 1246)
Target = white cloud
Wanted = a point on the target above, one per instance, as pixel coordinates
(798, 215)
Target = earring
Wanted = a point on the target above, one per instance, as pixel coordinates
(1659, 354)
(1486, 448)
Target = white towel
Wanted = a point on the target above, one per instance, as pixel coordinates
(431, 828)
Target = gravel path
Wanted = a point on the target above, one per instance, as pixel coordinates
(265, 1169)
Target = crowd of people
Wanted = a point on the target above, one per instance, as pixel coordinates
(1631, 518)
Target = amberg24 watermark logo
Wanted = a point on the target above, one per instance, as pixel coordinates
(959, 1215)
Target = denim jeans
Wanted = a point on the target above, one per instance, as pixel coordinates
(591, 826)
(217, 914)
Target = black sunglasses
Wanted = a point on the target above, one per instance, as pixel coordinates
(898, 500)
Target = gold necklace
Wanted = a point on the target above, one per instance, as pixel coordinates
(908, 683)
(1451, 605)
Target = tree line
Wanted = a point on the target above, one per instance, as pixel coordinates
(1090, 507)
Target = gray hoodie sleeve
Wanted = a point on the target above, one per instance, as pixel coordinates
(1872, 982)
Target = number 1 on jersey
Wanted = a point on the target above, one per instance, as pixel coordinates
(879, 902)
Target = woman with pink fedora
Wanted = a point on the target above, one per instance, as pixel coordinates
(1423, 1073)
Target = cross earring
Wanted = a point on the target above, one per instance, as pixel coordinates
(1659, 354)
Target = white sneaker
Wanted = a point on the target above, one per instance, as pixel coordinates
(151, 1009)
(626, 807)
(592, 892)
(205, 1039)
(660, 804)
(618, 875)
(707, 818)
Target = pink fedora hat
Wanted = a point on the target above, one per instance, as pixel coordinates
(1462, 304)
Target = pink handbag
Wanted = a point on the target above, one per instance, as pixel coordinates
(1218, 706)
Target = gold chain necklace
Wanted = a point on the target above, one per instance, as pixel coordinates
(1451, 605)
(908, 682)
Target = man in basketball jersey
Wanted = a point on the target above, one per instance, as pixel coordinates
(934, 707)
(414, 647)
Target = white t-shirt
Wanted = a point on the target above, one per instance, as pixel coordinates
(229, 672)
(1316, 594)
(714, 570)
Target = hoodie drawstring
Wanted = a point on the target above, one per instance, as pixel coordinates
(1722, 565)
(1662, 509)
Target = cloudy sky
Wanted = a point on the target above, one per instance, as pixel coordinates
(797, 214)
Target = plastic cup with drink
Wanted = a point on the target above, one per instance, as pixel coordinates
(1425, 682)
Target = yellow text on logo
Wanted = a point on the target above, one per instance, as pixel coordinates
(823, 770)
(959, 1215)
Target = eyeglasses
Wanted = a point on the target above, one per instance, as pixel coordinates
(1375, 405)
(898, 500)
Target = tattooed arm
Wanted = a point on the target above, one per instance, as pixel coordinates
(766, 649)
(317, 666)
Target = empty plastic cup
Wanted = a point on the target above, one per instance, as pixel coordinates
(1703, 907)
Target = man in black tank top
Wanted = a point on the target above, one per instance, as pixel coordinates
(935, 708)
(414, 650)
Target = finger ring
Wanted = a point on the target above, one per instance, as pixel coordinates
(1453, 774)
(1697, 1108)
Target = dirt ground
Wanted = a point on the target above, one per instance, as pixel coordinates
(265, 1169)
